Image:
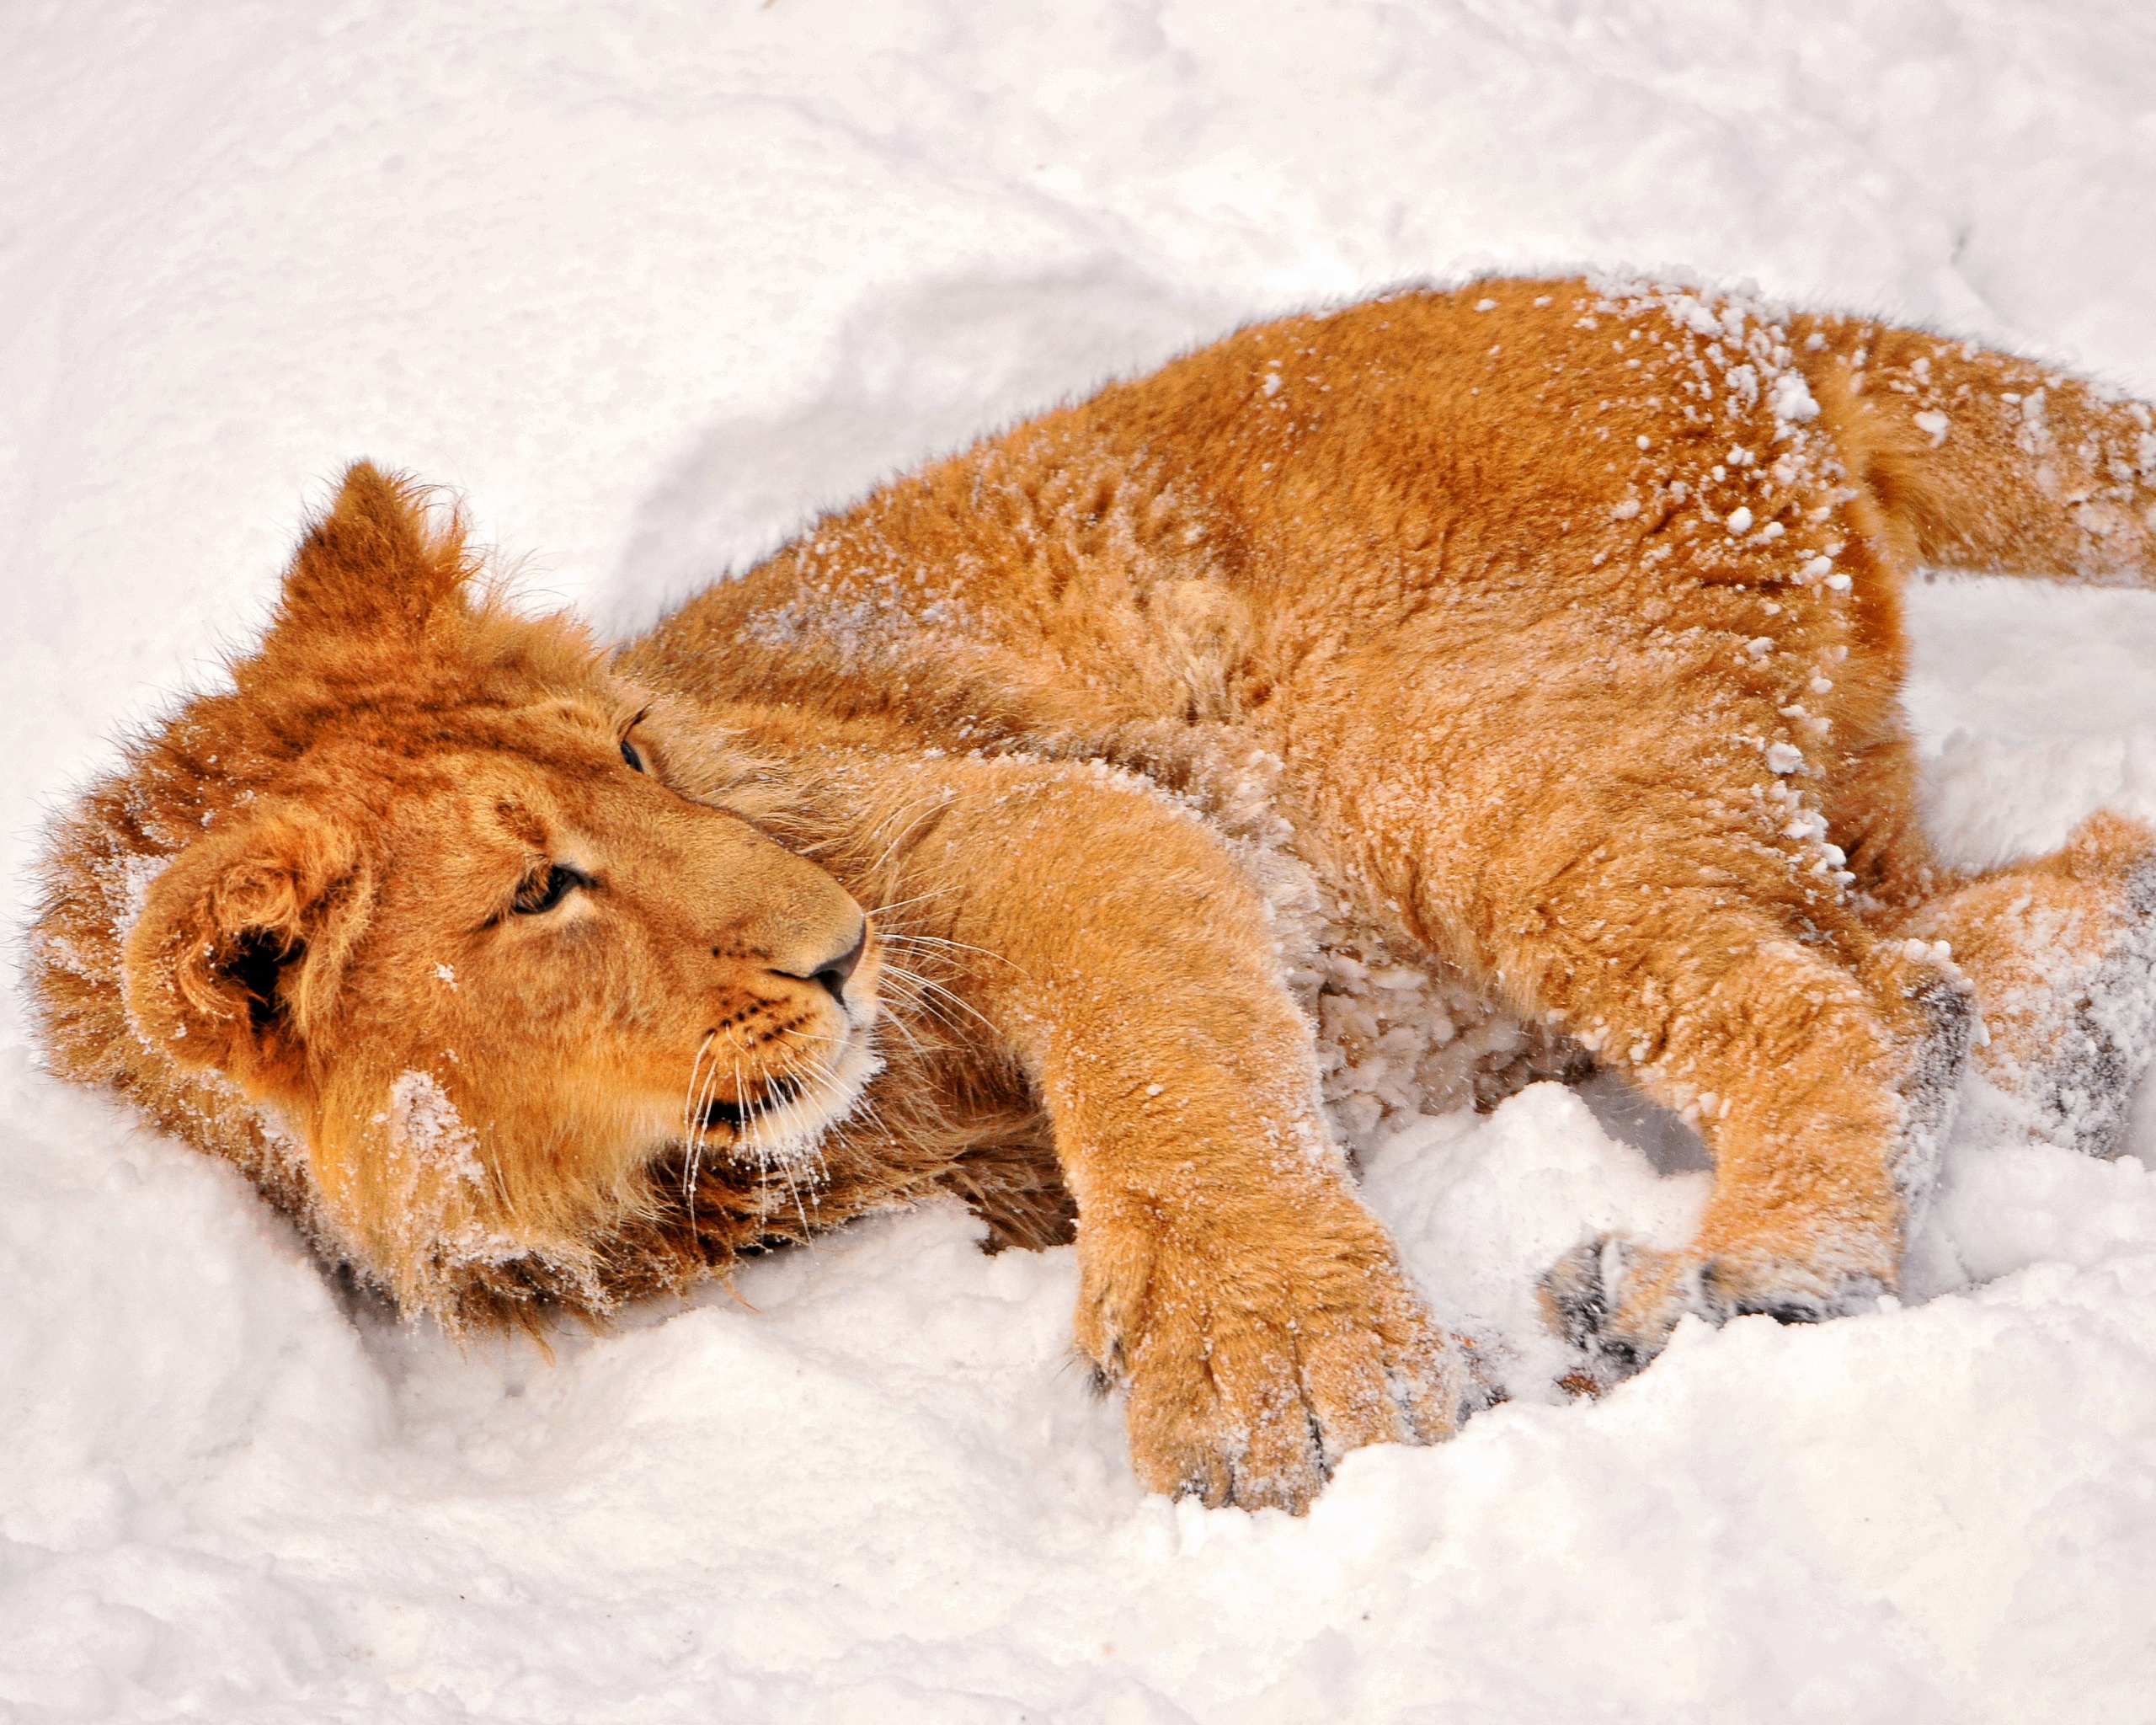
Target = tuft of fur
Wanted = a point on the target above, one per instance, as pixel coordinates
(1118, 824)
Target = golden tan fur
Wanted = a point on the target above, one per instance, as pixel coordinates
(1545, 631)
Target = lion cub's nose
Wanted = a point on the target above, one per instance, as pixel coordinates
(832, 975)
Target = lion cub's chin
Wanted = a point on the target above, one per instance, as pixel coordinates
(790, 1132)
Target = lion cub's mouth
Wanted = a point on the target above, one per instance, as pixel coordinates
(788, 1116)
(718, 1112)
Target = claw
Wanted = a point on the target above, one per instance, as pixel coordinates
(1580, 1298)
(1617, 1302)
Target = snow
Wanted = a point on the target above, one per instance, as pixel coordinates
(424, 1125)
(651, 282)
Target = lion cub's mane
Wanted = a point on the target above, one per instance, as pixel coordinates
(936, 1125)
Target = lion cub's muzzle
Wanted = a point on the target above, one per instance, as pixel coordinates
(794, 1059)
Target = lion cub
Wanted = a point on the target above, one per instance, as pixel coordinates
(995, 836)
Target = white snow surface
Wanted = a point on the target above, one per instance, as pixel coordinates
(651, 282)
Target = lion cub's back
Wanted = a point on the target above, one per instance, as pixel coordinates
(1164, 549)
(1355, 456)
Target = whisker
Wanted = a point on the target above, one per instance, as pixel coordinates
(905, 1030)
(787, 1170)
(692, 1162)
(956, 946)
(925, 1034)
(696, 1067)
(924, 1010)
(692, 1109)
(917, 1001)
(934, 804)
(935, 989)
(924, 804)
(748, 1121)
(884, 909)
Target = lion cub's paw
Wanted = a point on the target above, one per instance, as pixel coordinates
(1617, 1302)
(1250, 1376)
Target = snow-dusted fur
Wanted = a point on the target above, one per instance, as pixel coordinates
(1482, 680)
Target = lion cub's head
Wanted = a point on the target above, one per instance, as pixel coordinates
(413, 923)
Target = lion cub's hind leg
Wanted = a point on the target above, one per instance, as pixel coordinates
(2061, 952)
(1822, 1091)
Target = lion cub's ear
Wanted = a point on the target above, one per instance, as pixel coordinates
(242, 943)
(378, 566)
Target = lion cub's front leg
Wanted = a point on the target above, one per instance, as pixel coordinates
(1259, 1342)
(1255, 1311)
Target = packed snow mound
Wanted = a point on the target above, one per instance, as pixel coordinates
(652, 284)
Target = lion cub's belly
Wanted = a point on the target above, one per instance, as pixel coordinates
(1400, 1031)
(1400, 1036)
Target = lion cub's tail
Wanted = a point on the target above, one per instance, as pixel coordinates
(1985, 462)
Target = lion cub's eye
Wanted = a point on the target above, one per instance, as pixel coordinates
(546, 887)
(634, 756)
